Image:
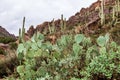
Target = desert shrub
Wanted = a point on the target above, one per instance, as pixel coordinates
(6, 40)
(13, 45)
(2, 51)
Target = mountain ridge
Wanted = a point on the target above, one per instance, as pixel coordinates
(79, 18)
(5, 33)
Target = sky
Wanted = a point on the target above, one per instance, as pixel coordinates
(36, 11)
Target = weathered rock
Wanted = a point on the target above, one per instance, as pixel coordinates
(31, 31)
(41, 27)
(5, 33)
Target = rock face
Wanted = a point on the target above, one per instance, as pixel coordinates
(5, 33)
(87, 16)
(90, 14)
(31, 31)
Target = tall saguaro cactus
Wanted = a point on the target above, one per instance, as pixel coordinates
(49, 27)
(23, 28)
(117, 5)
(52, 28)
(20, 35)
(115, 13)
(62, 23)
(22, 32)
(101, 14)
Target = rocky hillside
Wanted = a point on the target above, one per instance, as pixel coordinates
(5, 36)
(7, 51)
(88, 20)
(5, 33)
(98, 19)
(85, 16)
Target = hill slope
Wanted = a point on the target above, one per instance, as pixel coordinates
(85, 15)
(73, 56)
(5, 33)
(86, 21)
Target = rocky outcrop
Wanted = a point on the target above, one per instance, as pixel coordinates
(43, 26)
(5, 33)
(86, 17)
(31, 31)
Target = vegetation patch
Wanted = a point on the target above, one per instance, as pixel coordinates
(70, 58)
(6, 40)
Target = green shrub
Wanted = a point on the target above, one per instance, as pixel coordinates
(71, 58)
(2, 51)
(6, 40)
(106, 65)
(13, 45)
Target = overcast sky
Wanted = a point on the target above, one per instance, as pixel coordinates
(36, 11)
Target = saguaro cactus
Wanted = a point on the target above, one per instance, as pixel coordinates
(101, 13)
(62, 23)
(117, 5)
(23, 28)
(52, 28)
(50, 31)
(19, 35)
(115, 13)
(22, 32)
